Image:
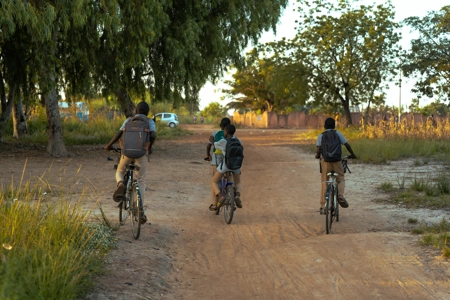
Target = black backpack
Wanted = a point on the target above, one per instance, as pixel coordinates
(136, 137)
(331, 146)
(234, 154)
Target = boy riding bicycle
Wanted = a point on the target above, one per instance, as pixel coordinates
(229, 132)
(329, 152)
(142, 110)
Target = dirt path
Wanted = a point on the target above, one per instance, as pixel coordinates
(276, 246)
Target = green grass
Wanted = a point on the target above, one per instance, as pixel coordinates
(47, 250)
(386, 186)
(435, 235)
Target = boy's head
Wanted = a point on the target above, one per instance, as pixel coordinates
(142, 108)
(330, 123)
(224, 122)
(229, 130)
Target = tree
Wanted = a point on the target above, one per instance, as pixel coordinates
(346, 53)
(429, 57)
(214, 109)
(266, 85)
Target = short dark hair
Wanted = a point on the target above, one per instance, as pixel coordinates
(224, 122)
(142, 108)
(230, 128)
(330, 123)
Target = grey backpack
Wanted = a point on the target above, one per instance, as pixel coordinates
(136, 137)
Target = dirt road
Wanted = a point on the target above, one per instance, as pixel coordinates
(276, 246)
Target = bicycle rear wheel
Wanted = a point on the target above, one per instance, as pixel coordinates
(136, 210)
(124, 210)
(228, 209)
(329, 208)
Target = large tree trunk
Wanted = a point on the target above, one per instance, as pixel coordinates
(125, 102)
(55, 146)
(19, 119)
(7, 105)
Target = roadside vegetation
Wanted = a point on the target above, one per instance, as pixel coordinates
(48, 250)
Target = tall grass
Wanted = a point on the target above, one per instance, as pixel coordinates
(48, 250)
(96, 130)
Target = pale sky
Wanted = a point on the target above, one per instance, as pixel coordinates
(286, 28)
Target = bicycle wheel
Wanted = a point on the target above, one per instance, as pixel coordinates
(228, 208)
(222, 185)
(124, 205)
(329, 208)
(336, 204)
(135, 207)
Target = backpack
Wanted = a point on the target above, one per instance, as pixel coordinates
(331, 146)
(217, 137)
(234, 154)
(136, 137)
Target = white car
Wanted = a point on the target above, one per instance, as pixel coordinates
(170, 119)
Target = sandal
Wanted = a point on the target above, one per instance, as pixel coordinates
(212, 207)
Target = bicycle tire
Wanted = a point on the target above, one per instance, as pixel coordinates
(337, 206)
(229, 205)
(328, 208)
(222, 185)
(124, 205)
(135, 208)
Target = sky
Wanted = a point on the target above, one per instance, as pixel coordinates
(286, 28)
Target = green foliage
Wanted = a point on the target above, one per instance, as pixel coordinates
(428, 58)
(266, 85)
(214, 110)
(52, 244)
(386, 186)
(436, 235)
(344, 53)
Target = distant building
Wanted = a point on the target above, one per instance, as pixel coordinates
(80, 109)
(354, 109)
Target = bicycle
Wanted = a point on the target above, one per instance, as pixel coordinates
(227, 189)
(331, 196)
(132, 203)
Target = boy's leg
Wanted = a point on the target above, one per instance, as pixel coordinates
(237, 184)
(121, 168)
(213, 196)
(339, 169)
(215, 184)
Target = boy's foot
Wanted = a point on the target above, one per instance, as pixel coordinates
(342, 202)
(237, 200)
(220, 202)
(322, 211)
(212, 207)
(120, 192)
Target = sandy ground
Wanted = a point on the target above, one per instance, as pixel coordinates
(276, 246)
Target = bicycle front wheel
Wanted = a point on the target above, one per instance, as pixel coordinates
(336, 204)
(229, 205)
(329, 208)
(136, 210)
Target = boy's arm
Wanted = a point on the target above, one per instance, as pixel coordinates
(152, 141)
(317, 152)
(349, 148)
(113, 140)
